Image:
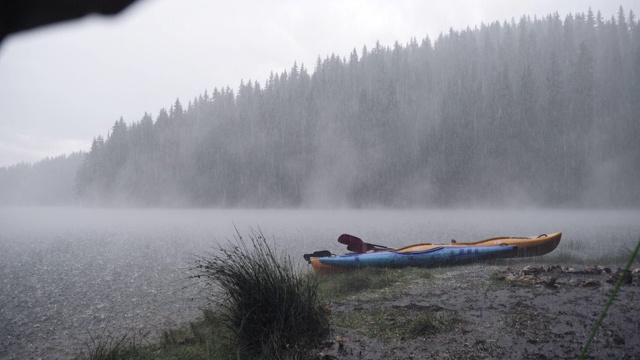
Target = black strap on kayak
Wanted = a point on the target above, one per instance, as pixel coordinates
(317, 254)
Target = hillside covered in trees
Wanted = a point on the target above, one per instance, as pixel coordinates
(538, 112)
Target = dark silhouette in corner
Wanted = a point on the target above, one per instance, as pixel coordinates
(19, 15)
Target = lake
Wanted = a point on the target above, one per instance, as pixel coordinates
(66, 273)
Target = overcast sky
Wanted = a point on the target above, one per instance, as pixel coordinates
(62, 85)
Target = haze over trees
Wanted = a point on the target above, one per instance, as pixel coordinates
(47, 182)
(541, 112)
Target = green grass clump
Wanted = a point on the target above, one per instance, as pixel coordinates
(338, 286)
(108, 348)
(270, 307)
(397, 322)
(201, 340)
(612, 297)
(345, 284)
(430, 323)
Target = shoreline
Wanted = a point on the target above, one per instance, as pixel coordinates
(502, 309)
(493, 316)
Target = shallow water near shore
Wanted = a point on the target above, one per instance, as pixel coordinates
(66, 273)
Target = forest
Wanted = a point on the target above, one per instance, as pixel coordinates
(48, 182)
(541, 112)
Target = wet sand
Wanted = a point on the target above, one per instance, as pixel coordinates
(522, 311)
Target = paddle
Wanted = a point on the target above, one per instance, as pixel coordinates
(356, 244)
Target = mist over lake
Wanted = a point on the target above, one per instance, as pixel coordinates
(65, 272)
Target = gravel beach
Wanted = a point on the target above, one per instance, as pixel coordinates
(523, 311)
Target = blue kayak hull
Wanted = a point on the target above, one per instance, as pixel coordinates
(439, 256)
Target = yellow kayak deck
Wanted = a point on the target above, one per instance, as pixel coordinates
(527, 246)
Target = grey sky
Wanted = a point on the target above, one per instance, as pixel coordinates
(62, 85)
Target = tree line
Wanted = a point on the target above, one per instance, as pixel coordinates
(542, 112)
(48, 182)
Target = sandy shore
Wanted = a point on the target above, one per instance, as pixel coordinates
(522, 311)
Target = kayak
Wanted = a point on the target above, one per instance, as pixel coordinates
(436, 256)
(430, 255)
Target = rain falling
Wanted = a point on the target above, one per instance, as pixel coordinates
(513, 127)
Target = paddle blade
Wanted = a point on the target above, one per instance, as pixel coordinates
(349, 239)
(354, 243)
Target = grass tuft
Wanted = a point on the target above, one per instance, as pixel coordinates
(345, 284)
(431, 324)
(396, 323)
(612, 297)
(270, 307)
(106, 347)
(342, 285)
